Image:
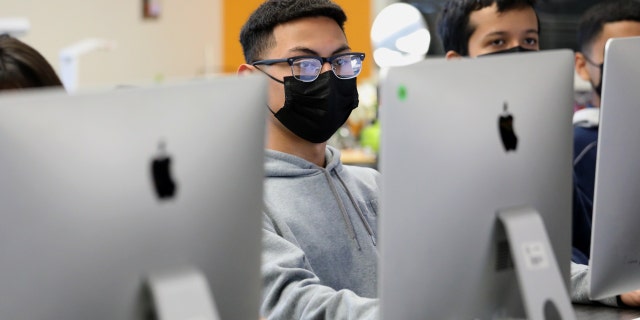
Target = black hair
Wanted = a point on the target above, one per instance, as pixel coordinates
(256, 35)
(593, 20)
(453, 25)
(21, 66)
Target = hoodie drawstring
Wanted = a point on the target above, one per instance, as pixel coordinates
(343, 210)
(362, 217)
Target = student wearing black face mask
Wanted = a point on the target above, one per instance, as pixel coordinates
(319, 232)
(317, 103)
(479, 27)
(609, 19)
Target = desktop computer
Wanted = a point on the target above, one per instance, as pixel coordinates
(476, 188)
(615, 242)
(133, 203)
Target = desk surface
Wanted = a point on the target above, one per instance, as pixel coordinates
(593, 312)
(358, 157)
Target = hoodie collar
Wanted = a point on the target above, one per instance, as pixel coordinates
(280, 164)
(587, 118)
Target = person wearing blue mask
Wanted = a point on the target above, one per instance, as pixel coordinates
(319, 257)
(471, 28)
(603, 21)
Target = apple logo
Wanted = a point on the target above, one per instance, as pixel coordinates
(507, 134)
(163, 182)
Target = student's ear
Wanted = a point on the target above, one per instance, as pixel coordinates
(450, 55)
(581, 67)
(245, 69)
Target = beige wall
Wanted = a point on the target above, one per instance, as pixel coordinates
(172, 46)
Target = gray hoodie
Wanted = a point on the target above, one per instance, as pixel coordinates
(319, 257)
(580, 286)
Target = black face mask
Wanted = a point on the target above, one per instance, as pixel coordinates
(510, 50)
(598, 88)
(315, 110)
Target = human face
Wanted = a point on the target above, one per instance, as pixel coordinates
(590, 71)
(316, 36)
(497, 31)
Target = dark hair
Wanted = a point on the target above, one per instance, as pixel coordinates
(256, 35)
(21, 66)
(453, 25)
(594, 19)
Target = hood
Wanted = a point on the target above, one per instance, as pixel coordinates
(587, 118)
(280, 164)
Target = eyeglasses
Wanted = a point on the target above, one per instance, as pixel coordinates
(598, 65)
(307, 68)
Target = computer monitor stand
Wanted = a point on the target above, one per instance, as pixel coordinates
(542, 289)
(179, 295)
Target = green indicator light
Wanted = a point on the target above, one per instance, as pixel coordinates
(402, 93)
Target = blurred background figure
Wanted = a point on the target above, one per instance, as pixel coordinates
(21, 66)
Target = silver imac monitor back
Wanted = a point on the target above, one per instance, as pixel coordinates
(463, 142)
(132, 203)
(615, 240)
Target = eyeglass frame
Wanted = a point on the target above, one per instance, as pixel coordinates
(597, 65)
(323, 60)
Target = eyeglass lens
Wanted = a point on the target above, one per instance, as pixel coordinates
(344, 67)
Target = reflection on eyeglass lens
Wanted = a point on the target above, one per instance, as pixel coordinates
(344, 66)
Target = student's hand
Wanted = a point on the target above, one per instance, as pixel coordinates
(631, 299)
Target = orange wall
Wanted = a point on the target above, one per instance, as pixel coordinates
(236, 12)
